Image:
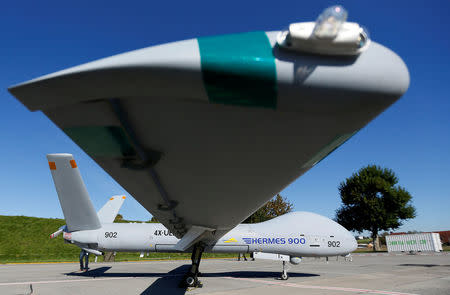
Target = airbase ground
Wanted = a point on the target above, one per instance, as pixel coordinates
(366, 274)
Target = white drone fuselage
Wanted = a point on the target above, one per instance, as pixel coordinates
(295, 234)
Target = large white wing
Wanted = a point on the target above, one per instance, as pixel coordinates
(203, 132)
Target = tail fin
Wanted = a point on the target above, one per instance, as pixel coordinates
(73, 196)
(109, 211)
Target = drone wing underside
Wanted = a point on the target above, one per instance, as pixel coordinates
(203, 132)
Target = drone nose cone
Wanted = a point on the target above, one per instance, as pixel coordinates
(353, 245)
(348, 239)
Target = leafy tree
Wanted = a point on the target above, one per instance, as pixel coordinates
(275, 207)
(412, 232)
(119, 218)
(372, 201)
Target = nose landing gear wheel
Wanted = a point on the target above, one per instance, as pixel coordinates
(284, 274)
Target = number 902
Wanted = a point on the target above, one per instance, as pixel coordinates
(111, 234)
(334, 244)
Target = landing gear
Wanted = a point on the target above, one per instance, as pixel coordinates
(284, 274)
(192, 281)
(191, 278)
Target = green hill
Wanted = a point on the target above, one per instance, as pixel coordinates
(26, 239)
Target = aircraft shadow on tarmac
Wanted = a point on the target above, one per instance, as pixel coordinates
(101, 272)
(181, 270)
(424, 265)
(168, 283)
(256, 274)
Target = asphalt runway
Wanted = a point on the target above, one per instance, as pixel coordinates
(393, 275)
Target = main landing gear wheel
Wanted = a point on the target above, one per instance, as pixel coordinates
(190, 280)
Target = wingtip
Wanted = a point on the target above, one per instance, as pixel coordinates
(11, 89)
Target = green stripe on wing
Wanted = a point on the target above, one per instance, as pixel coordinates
(239, 69)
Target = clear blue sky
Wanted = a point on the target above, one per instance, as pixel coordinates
(412, 137)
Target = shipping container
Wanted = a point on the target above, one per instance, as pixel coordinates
(445, 235)
(421, 242)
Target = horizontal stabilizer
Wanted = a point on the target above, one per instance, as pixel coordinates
(56, 233)
(92, 251)
(194, 234)
(110, 210)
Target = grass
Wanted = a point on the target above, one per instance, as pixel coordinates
(367, 250)
(26, 239)
(364, 241)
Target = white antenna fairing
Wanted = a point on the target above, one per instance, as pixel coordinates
(331, 34)
(329, 22)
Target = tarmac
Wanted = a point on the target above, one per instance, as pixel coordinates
(366, 274)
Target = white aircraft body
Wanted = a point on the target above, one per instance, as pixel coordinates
(192, 128)
(295, 234)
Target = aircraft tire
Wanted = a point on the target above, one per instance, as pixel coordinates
(190, 281)
(284, 276)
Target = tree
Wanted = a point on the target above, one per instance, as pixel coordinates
(275, 207)
(372, 201)
(412, 232)
(119, 218)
